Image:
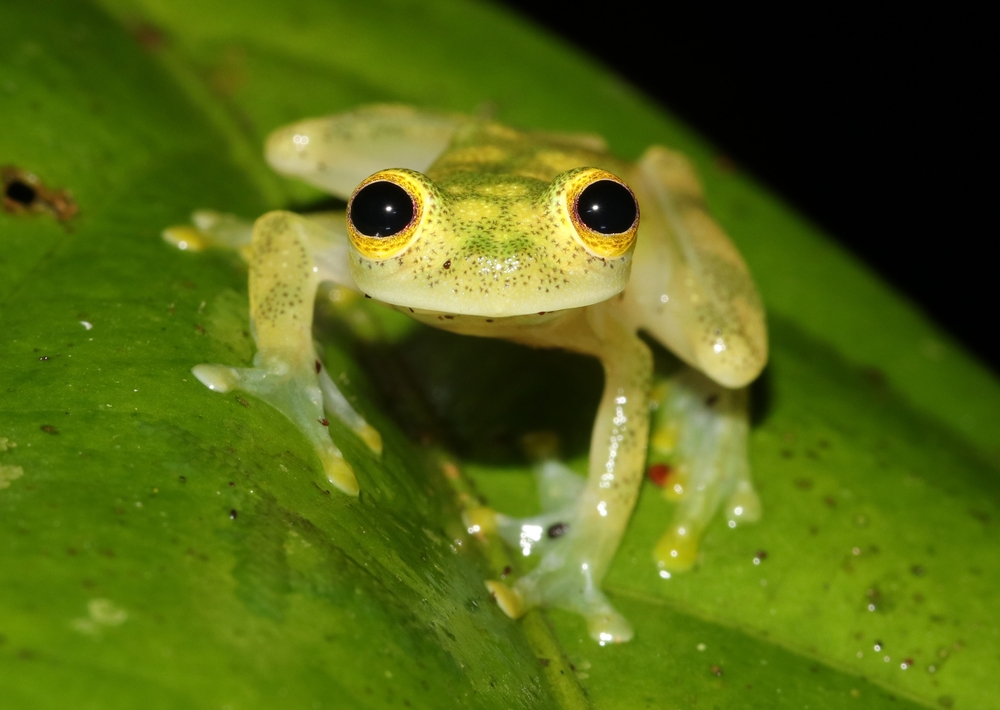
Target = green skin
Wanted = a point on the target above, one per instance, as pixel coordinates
(497, 252)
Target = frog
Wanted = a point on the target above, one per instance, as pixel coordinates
(544, 239)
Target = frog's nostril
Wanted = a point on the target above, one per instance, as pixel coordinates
(381, 209)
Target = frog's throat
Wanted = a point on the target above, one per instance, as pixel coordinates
(433, 310)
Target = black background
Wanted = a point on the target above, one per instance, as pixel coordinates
(893, 104)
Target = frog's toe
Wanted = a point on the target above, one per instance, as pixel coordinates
(744, 505)
(222, 229)
(217, 378)
(186, 238)
(508, 599)
(339, 472)
(371, 437)
(606, 625)
(479, 519)
(677, 550)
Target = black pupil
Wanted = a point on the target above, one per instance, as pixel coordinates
(381, 209)
(20, 192)
(607, 207)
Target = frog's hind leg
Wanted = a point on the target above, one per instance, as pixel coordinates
(701, 428)
(287, 373)
(209, 228)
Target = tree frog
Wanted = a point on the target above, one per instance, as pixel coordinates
(477, 228)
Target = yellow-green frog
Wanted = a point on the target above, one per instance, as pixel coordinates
(477, 228)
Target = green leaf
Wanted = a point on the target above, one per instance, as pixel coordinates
(164, 546)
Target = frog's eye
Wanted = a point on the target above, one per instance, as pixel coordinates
(607, 207)
(603, 210)
(381, 209)
(384, 211)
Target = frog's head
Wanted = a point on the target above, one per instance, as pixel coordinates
(492, 244)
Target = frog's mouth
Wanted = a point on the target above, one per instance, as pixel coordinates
(474, 287)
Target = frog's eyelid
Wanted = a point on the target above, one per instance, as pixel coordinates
(337, 152)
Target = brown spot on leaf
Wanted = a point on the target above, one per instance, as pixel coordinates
(24, 193)
(150, 37)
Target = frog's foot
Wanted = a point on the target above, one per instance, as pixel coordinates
(567, 579)
(306, 397)
(703, 427)
(209, 228)
(566, 576)
(336, 405)
(559, 489)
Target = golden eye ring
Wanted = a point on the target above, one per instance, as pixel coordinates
(384, 212)
(604, 211)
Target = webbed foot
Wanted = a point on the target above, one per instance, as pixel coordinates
(573, 555)
(701, 427)
(604, 624)
(303, 398)
(287, 373)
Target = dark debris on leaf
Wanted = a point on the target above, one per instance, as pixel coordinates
(24, 193)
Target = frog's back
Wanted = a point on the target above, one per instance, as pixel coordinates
(493, 150)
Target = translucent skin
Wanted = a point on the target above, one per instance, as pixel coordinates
(497, 250)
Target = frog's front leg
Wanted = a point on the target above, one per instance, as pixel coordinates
(572, 567)
(287, 374)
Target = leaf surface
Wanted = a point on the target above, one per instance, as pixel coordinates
(164, 546)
